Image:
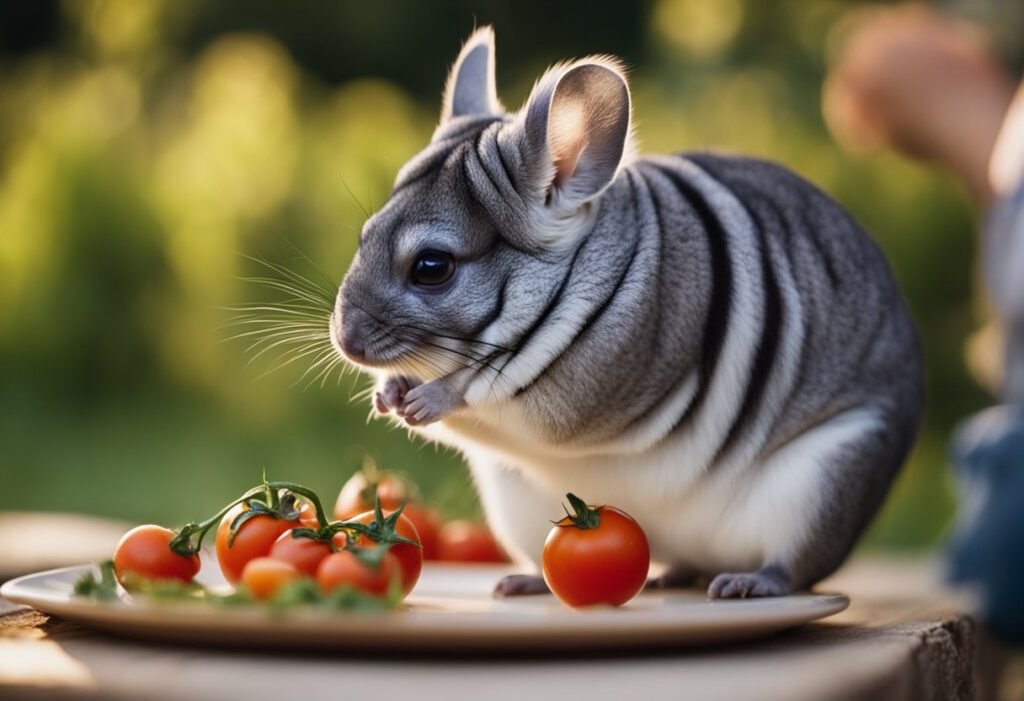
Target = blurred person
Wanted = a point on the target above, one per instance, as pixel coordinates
(928, 86)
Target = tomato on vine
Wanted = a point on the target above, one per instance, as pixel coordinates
(246, 532)
(595, 556)
(145, 551)
(394, 529)
(304, 552)
(356, 568)
(263, 577)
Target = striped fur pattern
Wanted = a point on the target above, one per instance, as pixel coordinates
(705, 341)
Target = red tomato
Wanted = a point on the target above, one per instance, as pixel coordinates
(356, 495)
(264, 576)
(604, 563)
(304, 554)
(409, 557)
(465, 541)
(428, 525)
(254, 539)
(345, 568)
(145, 551)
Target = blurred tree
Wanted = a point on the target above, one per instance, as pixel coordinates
(147, 148)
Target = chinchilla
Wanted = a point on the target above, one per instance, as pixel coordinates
(705, 341)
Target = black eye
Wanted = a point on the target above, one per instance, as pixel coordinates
(433, 268)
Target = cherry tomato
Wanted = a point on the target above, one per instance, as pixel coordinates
(254, 539)
(304, 554)
(465, 541)
(428, 526)
(357, 495)
(345, 568)
(145, 551)
(597, 556)
(264, 576)
(409, 557)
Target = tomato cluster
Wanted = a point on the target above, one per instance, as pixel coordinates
(278, 533)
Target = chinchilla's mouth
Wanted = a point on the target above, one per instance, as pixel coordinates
(372, 355)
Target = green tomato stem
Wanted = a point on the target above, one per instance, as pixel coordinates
(584, 517)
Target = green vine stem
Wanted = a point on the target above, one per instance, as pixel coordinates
(278, 499)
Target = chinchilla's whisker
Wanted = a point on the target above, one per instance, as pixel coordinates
(295, 276)
(322, 356)
(325, 359)
(287, 345)
(286, 308)
(319, 342)
(365, 211)
(431, 363)
(423, 340)
(332, 284)
(284, 339)
(277, 322)
(459, 338)
(290, 307)
(342, 369)
(256, 311)
(362, 394)
(327, 371)
(277, 330)
(318, 300)
(291, 359)
(292, 283)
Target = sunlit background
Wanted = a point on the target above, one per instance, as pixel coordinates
(149, 151)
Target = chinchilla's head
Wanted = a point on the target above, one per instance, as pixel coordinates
(465, 248)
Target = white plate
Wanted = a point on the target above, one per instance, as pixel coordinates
(451, 608)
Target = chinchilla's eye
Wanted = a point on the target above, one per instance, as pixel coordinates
(433, 268)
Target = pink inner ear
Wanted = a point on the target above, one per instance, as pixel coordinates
(565, 163)
(567, 139)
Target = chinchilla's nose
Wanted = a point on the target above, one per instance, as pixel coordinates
(352, 344)
(352, 332)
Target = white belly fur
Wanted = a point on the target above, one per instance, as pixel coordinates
(734, 517)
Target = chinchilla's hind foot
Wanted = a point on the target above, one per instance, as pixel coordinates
(520, 585)
(769, 581)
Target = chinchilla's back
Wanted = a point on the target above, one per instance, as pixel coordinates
(857, 344)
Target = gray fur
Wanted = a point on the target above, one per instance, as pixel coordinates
(603, 310)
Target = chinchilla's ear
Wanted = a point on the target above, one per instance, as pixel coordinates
(576, 127)
(471, 90)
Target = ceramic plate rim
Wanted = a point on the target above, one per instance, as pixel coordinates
(426, 626)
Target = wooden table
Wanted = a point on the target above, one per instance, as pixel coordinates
(903, 637)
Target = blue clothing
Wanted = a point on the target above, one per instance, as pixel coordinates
(987, 549)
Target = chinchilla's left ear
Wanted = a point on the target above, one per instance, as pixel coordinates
(471, 90)
(576, 129)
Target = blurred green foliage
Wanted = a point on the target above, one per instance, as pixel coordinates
(147, 148)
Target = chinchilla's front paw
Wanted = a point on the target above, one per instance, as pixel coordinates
(391, 396)
(430, 402)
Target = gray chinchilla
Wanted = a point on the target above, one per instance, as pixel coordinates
(705, 341)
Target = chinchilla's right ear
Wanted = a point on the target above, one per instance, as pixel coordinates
(471, 90)
(574, 133)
